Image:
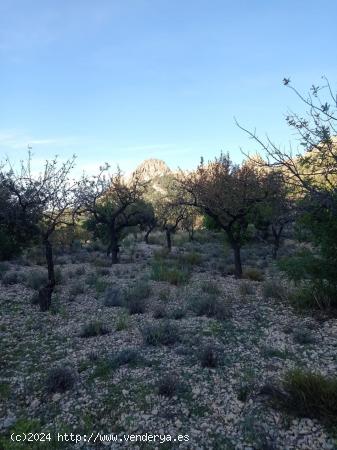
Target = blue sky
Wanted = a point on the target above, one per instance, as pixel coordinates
(125, 80)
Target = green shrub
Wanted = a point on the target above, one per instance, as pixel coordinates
(253, 274)
(36, 279)
(175, 275)
(314, 274)
(170, 386)
(76, 289)
(246, 288)
(100, 262)
(9, 247)
(60, 379)
(94, 328)
(178, 313)
(122, 321)
(127, 356)
(80, 270)
(192, 259)
(307, 394)
(159, 312)
(244, 391)
(103, 271)
(100, 285)
(164, 295)
(140, 290)
(35, 299)
(210, 287)
(209, 357)
(273, 288)
(10, 278)
(162, 334)
(135, 297)
(90, 279)
(309, 296)
(210, 306)
(58, 275)
(113, 297)
(303, 336)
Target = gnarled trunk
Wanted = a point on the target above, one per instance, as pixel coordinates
(113, 249)
(237, 260)
(168, 239)
(147, 234)
(277, 241)
(45, 293)
(235, 244)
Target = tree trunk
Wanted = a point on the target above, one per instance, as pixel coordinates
(191, 234)
(237, 260)
(168, 240)
(147, 234)
(46, 292)
(114, 249)
(277, 241)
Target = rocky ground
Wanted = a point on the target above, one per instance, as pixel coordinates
(204, 381)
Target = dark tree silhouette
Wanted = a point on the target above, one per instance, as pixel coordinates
(227, 193)
(48, 200)
(113, 205)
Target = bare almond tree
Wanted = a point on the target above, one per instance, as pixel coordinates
(113, 205)
(310, 169)
(227, 193)
(48, 199)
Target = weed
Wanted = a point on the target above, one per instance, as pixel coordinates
(210, 306)
(94, 328)
(209, 357)
(113, 297)
(60, 379)
(307, 394)
(162, 334)
(253, 274)
(304, 336)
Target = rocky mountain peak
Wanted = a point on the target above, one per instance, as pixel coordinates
(152, 168)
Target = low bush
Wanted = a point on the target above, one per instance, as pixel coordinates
(113, 297)
(303, 336)
(128, 356)
(209, 356)
(76, 289)
(90, 279)
(192, 259)
(173, 274)
(159, 312)
(122, 321)
(246, 288)
(80, 270)
(10, 278)
(306, 394)
(162, 334)
(60, 379)
(273, 288)
(178, 313)
(135, 297)
(94, 328)
(210, 287)
(35, 279)
(100, 286)
(210, 306)
(164, 295)
(170, 386)
(103, 271)
(253, 274)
